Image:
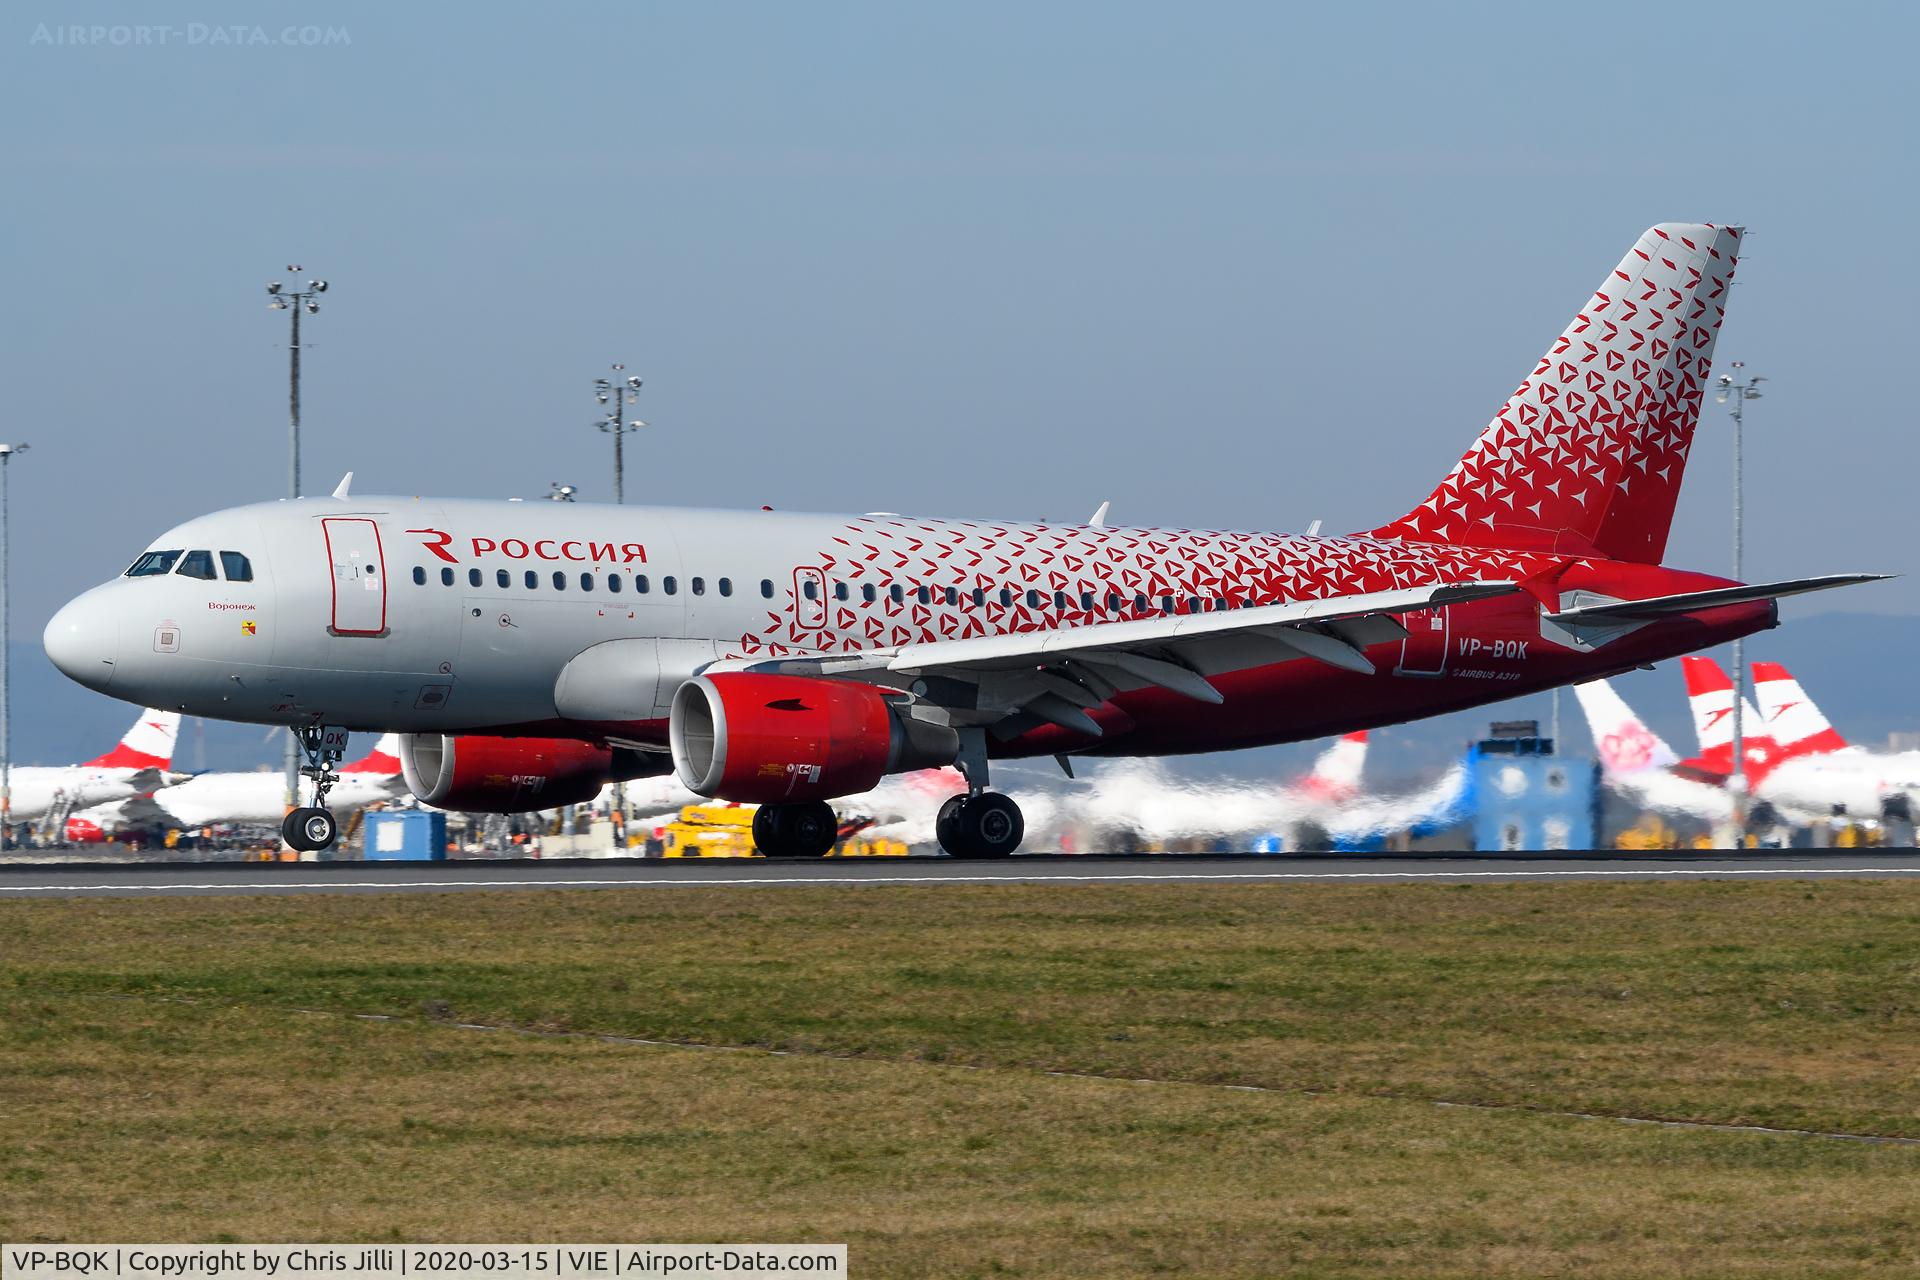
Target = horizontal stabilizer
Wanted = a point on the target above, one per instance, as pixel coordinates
(1690, 601)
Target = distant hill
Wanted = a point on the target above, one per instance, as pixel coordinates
(1858, 667)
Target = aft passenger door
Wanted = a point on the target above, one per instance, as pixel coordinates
(1424, 651)
(359, 569)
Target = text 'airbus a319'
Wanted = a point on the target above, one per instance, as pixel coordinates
(531, 652)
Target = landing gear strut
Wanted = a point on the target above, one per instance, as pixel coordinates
(313, 827)
(807, 829)
(981, 823)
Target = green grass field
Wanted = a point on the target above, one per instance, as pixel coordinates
(188, 1069)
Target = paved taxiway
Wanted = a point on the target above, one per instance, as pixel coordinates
(24, 880)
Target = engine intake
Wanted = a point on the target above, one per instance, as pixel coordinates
(771, 739)
(511, 775)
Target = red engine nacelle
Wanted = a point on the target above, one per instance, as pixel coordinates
(771, 739)
(503, 775)
(85, 831)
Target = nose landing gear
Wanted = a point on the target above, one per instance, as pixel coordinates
(313, 827)
(981, 823)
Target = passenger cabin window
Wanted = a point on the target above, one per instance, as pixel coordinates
(1006, 597)
(897, 593)
(726, 586)
(1086, 600)
(419, 576)
(613, 583)
(640, 584)
(502, 579)
(473, 577)
(953, 595)
(197, 564)
(979, 597)
(239, 569)
(697, 585)
(532, 580)
(839, 591)
(559, 580)
(1033, 599)
(1060, 600)
(669, 584)
(867, 593)
(807, 589)
(586, 582)
(766, 588)
(446, 577)
(152, 564)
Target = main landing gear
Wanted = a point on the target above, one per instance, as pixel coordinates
(807, 829)
(981, 823)
(313, 827)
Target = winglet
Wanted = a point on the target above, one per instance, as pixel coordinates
(1099, 518)
(341, 490)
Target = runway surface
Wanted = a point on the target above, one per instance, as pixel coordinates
(26, 880)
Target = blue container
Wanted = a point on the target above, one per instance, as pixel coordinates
(405, 835)
(1527, 798)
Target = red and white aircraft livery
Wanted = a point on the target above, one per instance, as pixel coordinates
(1710, 699)
(531, 652)
(1817, 770)
(139, 764)
(259, 797)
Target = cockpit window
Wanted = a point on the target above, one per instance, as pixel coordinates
(236, 566)
(153, 563)
(196, 564)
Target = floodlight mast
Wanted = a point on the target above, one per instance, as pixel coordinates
(6, 686)
(1734, 390)
(294, 301)
(616, 391)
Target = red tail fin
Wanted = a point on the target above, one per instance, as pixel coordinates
(1586, 457)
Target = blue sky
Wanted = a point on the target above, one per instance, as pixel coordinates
(1223, 264)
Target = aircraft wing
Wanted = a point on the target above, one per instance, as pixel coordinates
(1059, 675)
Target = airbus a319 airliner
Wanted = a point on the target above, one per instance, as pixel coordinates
(531, 652)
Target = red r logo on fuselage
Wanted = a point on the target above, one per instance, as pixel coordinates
(438, 542)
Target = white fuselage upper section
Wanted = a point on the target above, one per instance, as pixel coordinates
(453, 615)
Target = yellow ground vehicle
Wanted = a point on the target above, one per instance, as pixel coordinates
(710, 831)
(726, 831)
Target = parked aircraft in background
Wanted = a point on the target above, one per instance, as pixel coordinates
(1329, 803)
(258, 798)
(1817, 770)
(533, 652)
(1710, 701)
(139, 763)
(1638, 763)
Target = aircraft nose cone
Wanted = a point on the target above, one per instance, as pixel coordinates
(83, 640)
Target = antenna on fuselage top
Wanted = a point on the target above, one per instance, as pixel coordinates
(1313, 529)
(1099, 518)
(346, 483)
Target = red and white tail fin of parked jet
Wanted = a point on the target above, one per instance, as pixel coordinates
(532, 652)
(1791, 717)
(1710, 698)
(1336, 774)
(148, 744)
